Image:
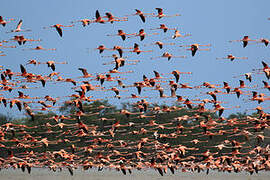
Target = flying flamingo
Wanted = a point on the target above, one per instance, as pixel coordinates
(120, 62)
(84, 22)
(137, 50)
(266, 85)
(99, 18)
(119, 49)
(4, 22)
(58, 28)
(112, 18)
(226, 87)
(195, 47)
(160, 44)
(238, 92)
(22, 40)
(85, 73)
(142, 34)
(231, 57)
(263, 40)
(177, 73)
(33, 61)
(17, 102)
(51, 64)
(101, 48)
(168, 55)
(161, 14)
(41, 48)
(245, 41)
(18, 28)
(265, 66)
(177, 34)
(121, 33)
(164, 28)
(248, 76)
(141, 14)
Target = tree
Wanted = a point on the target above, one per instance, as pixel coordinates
(4, 119)
(238, 115)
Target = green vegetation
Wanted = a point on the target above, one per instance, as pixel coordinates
(173, 126)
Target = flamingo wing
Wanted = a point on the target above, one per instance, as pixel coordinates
(59, 30)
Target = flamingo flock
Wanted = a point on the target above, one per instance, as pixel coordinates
(192, 135)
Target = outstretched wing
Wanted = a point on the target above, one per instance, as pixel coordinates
(19, 25)
(193, 52)
(109, 15)
(23, 70)
(265, 65)
(59, 30)
(136, 45)
(142, 17)
(157, 75)
(84, 71)
(97, 14)
(159, 10)
(120, 51)
(245, 43)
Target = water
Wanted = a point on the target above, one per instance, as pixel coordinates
(93, 174)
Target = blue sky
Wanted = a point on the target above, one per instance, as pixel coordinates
(209, 22)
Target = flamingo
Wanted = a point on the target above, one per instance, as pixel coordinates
(4, 22)
(161, 14)
(41, 48)
(264, 41)
(22, 40)
(121, 33)
(164, 28)
(245, 41)
(195, 47)
(168, 55)
(142, 34)
(58, 28)
(177, 34)
(227, 87)
(112, 18)
(18, 28)
(51, 64)
(177, 73)
(231, 57)
(85, 73)
(99, 18)
(101, 48)
(160, 44)
(119, 49)
(137, 50)
(140, 14)
(84, 22)
(266, 85)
